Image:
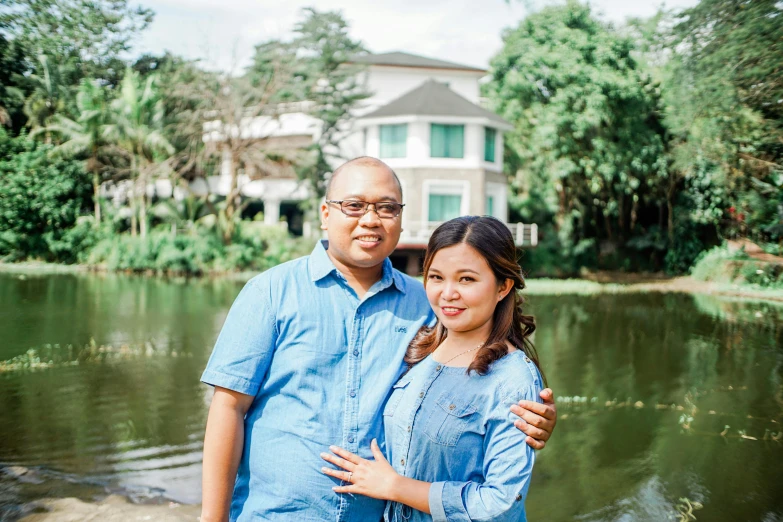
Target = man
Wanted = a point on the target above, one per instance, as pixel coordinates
(307, 357)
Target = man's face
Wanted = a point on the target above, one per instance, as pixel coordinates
(362, 242)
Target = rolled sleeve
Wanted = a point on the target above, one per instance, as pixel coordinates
(436, 502)
(244, 348)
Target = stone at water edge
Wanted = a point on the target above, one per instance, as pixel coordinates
(112, 509)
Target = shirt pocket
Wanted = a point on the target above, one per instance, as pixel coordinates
(398, 390)
(449, 418)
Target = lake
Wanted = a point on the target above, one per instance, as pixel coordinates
(668, 403)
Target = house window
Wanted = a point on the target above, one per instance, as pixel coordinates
(393, 139)
(446, 141)
(490, 206)
(444, 207)
(489, 144)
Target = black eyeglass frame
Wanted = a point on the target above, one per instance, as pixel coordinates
(367, 204)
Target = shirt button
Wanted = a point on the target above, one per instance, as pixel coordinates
(451, 406)
(519, 497)
(353, 393)
(437, 369)
(421, 395)
(409, 429)
(356, 353)
(527, 359)
(350, 439)
(402, 461)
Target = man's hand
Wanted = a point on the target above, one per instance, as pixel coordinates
(537, 420)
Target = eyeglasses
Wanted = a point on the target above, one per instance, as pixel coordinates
(357, 208)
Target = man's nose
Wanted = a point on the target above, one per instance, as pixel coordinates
(370, 218)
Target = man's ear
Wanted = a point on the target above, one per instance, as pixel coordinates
(324, 215)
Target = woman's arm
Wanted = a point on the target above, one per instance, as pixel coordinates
(508, 466)
(223, 445)
(376, 478)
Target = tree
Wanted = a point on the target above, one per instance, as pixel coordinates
(137, 129)
(85, 135)
(48, 95)
(41, 199)
(13, 67)
(321, 74)
(236, 119)
(587, 138)
(84, 37)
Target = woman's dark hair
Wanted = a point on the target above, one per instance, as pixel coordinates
(493, 240)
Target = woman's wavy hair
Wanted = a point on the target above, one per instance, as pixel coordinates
(493, 240)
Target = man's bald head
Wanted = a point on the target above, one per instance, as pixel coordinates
(361, 161)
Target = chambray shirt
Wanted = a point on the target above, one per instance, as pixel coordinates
(456, 431)
(320, 363)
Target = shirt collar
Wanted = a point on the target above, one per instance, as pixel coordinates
(321, 266)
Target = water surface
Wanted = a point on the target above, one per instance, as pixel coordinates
(667, 400)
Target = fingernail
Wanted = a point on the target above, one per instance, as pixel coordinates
(323, 470)
(333, 448)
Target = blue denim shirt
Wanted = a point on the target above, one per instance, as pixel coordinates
(320, 363)
(456, 431)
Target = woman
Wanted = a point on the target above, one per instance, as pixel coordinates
(453, 454)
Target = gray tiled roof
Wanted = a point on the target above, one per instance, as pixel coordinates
(401, 59)
(433, 98)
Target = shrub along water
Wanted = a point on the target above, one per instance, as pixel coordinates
(255, 247)
(722, 265)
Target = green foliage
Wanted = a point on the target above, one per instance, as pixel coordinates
(40, 201)
(13, 66)
(587, 145)
(254, 248)
(724, 266)
(84, 37)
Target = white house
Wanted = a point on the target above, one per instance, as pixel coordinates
(425, 120)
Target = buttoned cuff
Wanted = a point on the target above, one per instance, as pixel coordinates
(436, 502)
(237, 384)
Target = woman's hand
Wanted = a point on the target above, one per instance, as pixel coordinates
(371, 478)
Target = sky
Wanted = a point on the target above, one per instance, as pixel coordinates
(223, 32)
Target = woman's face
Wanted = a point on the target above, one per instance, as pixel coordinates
(462, 289)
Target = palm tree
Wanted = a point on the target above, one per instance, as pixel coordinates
(47, 98)
(138, 130)
(85, 135)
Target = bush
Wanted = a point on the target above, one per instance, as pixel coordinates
(723, 266)
(254, 248)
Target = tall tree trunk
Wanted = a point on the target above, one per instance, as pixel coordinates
(96, 193)
(230, 208)
(670, 208)
(143, 203)
(132, 199)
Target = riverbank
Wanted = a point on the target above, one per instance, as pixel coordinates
(114, 508)
(591, 283)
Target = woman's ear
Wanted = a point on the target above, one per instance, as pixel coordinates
(505, 288)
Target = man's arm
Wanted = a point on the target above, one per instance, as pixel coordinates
(537, 420)
(223, 444)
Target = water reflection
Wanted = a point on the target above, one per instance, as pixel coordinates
(649, 384)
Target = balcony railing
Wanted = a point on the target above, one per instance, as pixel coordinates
(418, 234)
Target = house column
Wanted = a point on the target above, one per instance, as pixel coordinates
(271, 211)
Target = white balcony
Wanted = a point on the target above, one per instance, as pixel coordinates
(417, 235)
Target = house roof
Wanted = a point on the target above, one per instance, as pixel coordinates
(401, 59)
(433, 98)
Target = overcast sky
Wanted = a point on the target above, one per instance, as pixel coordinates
(223, 32)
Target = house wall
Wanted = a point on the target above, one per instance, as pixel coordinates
(418, 183)
(418, 146)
